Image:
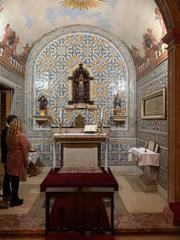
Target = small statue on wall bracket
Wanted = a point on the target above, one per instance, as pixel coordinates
(119, 109)
(117, 101)
(43, 102)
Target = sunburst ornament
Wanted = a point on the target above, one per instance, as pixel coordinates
(81, 4)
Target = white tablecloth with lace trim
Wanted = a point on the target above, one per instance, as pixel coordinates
(143, 157)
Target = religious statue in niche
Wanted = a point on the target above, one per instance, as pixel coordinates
(119, 106)
(43, 102)
(80, 85)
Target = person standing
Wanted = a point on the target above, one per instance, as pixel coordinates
(17, 158)
(6, 179)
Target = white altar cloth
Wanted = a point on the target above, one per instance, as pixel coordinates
(144, 158)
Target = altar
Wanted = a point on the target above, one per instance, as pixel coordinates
(80, 151)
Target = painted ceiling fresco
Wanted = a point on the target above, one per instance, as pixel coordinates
(138, 23)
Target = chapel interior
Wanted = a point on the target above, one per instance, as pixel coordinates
(96, 84)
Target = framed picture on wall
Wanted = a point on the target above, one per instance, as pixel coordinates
(153, 105)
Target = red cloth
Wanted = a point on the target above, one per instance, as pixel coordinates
(175, 208)
(63, 236)
(76, 236)
(58, 179)
(79, 212)
(98, 237)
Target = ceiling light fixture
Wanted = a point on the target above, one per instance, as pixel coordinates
(81, 4)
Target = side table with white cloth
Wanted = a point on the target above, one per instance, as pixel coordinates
(32, 159)
(144, 156)
(150, 161)
(33, 156)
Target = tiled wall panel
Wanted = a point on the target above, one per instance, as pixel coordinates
(156, 130)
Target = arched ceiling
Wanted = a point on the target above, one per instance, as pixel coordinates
(129, 20)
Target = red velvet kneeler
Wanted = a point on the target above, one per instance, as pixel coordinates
(79, 212)
(57, 179)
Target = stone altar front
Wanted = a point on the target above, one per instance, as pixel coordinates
(80, 150)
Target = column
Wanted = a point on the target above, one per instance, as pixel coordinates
(173, 40)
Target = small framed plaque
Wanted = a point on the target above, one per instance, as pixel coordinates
(153, 105)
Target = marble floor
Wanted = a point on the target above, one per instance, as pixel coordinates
(135, 210)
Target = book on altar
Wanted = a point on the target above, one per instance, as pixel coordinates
(90, 129)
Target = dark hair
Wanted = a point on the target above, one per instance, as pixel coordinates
(10, 118)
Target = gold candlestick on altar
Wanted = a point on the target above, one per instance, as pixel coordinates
(60, 127)
(100, 127)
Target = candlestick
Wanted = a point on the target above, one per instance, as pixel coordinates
(101, 116)
(100, 127)
(60, 115)
(60, 126)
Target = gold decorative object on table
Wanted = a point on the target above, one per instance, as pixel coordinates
(79, 121)
(100, 127)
